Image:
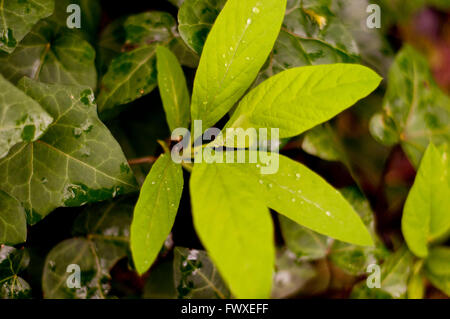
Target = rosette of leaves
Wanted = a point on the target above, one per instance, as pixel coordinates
(231, 201)
(102, 239)
(12, 262)
(415, 111)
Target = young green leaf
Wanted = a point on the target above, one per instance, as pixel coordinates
(298, 99)
(196, 277)
(304, 197)
(12, 263)
(437, 268)
(155, 211)
(17, 18)
(426, 214)
(51, 57)
(13, 223)
(77, 161)
(235, 227)
(237, 47)
(22, 119)
(415, 111)
(173, 89)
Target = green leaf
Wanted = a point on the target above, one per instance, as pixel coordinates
(437, 268)
(13, 224)
(160, 283)
(304, 197)
(196, 18)
(12, 263)
(320, 142)
(106, 227)
(155, 211)
(51, 57)
(196, 277)
(18, 17)
(224, 206)
(395, 273)
(173, 89)
(237, 47)
(110, 44)
(426, 213)
(76, 162)
(301, 98)
(130, 76)
(22, 119)
(415, 111)
(416, 283)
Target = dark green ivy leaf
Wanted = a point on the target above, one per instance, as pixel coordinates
(76, 162)
(13, 224)
(51, 57)
(106, 229)
(17, 18)
(196, 277)
(12, 262)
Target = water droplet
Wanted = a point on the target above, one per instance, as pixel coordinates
(168, 188)
(255, 10)
(299, 191)
(293, 200)
(270, 185)
(231, 48)
(328, 213)
(205, 102)
(297, 175)
(153, 183)
(224, 56)
(247, 58)
(261, 181)
(249, 21)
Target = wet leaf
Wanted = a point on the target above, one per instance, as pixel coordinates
(415, 111)
(13, 224)
(76, 162)
(12, 263)
(196, 277)
(237, 47)
(17, 18)
(106, 230)
(173, 89)
(51, 57)
(22, 119)
(155, 211)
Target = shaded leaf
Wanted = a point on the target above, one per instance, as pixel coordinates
(415, 111)
(51, 57)
(155, 211)
(160, 282)
(76, 162)
(12, 263)
(173, 89)
(13, 224)
(18, 17)
(437, 268)
(22, 119)
(320, 142)
(196, 277)
(237, 47)
(426, 213)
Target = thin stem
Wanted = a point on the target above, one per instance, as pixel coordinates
(143, 160)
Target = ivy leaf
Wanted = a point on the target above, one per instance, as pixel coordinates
(196, 18)
(237, 47)
(301, 98)
(13, 224)
(415, 111)
(173, 89)
(76, 162)
(437, 268)
(395, 272)
(51, 57)
(106, 242)
(426, 213)
(22, 119)
(18, 17)
(12, 263)
(196, 277)
(224, 206)
(155, 211)
(110, 44)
